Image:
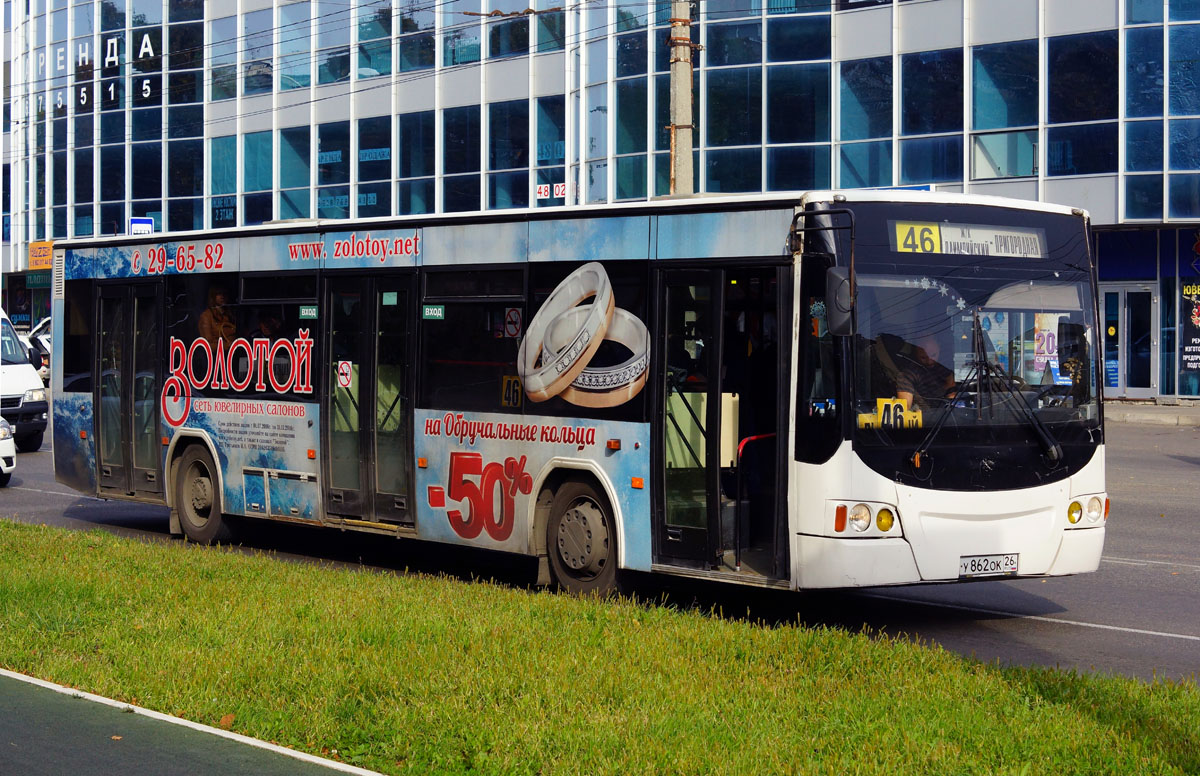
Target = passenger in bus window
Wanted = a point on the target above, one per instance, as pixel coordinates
(922, 377)
(216, 322)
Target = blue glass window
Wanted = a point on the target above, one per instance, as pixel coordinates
(631, 116)
(333, 153)
(460, 47)
(508, 38)
(597, 122)
(551, 129)
(1144, 71)
(1185, 70)
(798, 168)
(460, 143)
(185, 46)
(866, 164)
(508, 189)
(223, 176)
(294, 203)
(257, 29)
(728, 9)
(549, 176)
(256, 208)
(416, 52)
(374, 58)
(185, 168)
(460, 192)
(732, 171)
(631, 14)
(1004, 155)
(83, 175)
(183, 215)
(1144, 196)
(112, 181)
(1184, 196)
(738, 43)
(415, 196)
(632, 54)
(293, 158)
(508, 135)
(631, 177)
(1143, 146)
(552, 29)
(1185, 144)
(222, 211)
(798, 38)
(257, 161)
(333, 202)
(1185, 10)
(734, 111)
(1143, 11)
(797, 6)
(866, 98)
(1081, 150)
(1082, 77)
(798, 103)
(931, 160)
(931, 92)
(374, 199)
(415, 146)
(375, 149)
(295, 46)
(1004, 85)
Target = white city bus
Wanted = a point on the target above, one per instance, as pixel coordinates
(830, 390)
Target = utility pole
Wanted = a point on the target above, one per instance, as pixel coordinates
(681, 97)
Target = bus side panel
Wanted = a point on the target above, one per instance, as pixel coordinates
(494, 461)
(74, 455)
(263, 449)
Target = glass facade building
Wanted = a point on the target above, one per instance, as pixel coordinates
(189, 115)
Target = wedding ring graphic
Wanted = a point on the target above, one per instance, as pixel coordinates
(545, 372)
(605, 386)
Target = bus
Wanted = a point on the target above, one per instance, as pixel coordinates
(823, 390)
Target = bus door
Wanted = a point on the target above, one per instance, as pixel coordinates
(129, 454)
(368, 412)
(718, 502)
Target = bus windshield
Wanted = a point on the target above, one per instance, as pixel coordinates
(975, 331)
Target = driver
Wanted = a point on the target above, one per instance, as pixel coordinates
(922, 376)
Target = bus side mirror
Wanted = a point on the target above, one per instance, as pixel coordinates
(839, 306)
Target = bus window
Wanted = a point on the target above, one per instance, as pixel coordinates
(79, 323)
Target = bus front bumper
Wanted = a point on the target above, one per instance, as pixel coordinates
(826, 562)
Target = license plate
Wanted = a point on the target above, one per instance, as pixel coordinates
(987, 565)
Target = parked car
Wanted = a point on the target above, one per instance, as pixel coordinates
(38, 341)
(22, 393)
(8, 453)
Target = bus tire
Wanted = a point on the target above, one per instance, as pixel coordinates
(581, 540)
(198, 498)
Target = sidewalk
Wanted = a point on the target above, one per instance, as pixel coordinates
(1118, 411)
(49, 729)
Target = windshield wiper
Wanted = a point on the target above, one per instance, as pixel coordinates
(983, 370)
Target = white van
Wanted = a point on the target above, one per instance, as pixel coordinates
(22, 395)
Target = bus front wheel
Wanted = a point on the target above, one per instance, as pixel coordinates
(198, 498)
(581, 540)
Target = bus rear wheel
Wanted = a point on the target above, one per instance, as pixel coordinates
(581, 540)
(198, 498)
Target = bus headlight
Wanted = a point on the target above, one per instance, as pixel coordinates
(1095, 509)
(1074, 512)
(860, 517)
(884, 520)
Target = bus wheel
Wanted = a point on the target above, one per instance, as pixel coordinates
(581, 540)
(198, 498)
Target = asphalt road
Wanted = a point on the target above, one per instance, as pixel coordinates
(1138, 616)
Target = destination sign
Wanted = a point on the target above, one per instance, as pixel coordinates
(968, 239)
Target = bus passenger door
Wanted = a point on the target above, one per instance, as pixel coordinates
(719, 419)
(129, 454)
(368, 440)
(689, 417)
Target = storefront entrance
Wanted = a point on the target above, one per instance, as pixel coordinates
(1129, 340)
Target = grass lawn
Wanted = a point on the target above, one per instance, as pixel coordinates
(426, 674)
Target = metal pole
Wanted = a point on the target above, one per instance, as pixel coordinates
(681, 97)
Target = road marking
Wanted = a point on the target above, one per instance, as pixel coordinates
(55, 493)
(1135, 562)
(305, 756)
(1018, 615)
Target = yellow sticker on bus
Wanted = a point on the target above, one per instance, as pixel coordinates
(917, 237)
(890, 413)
